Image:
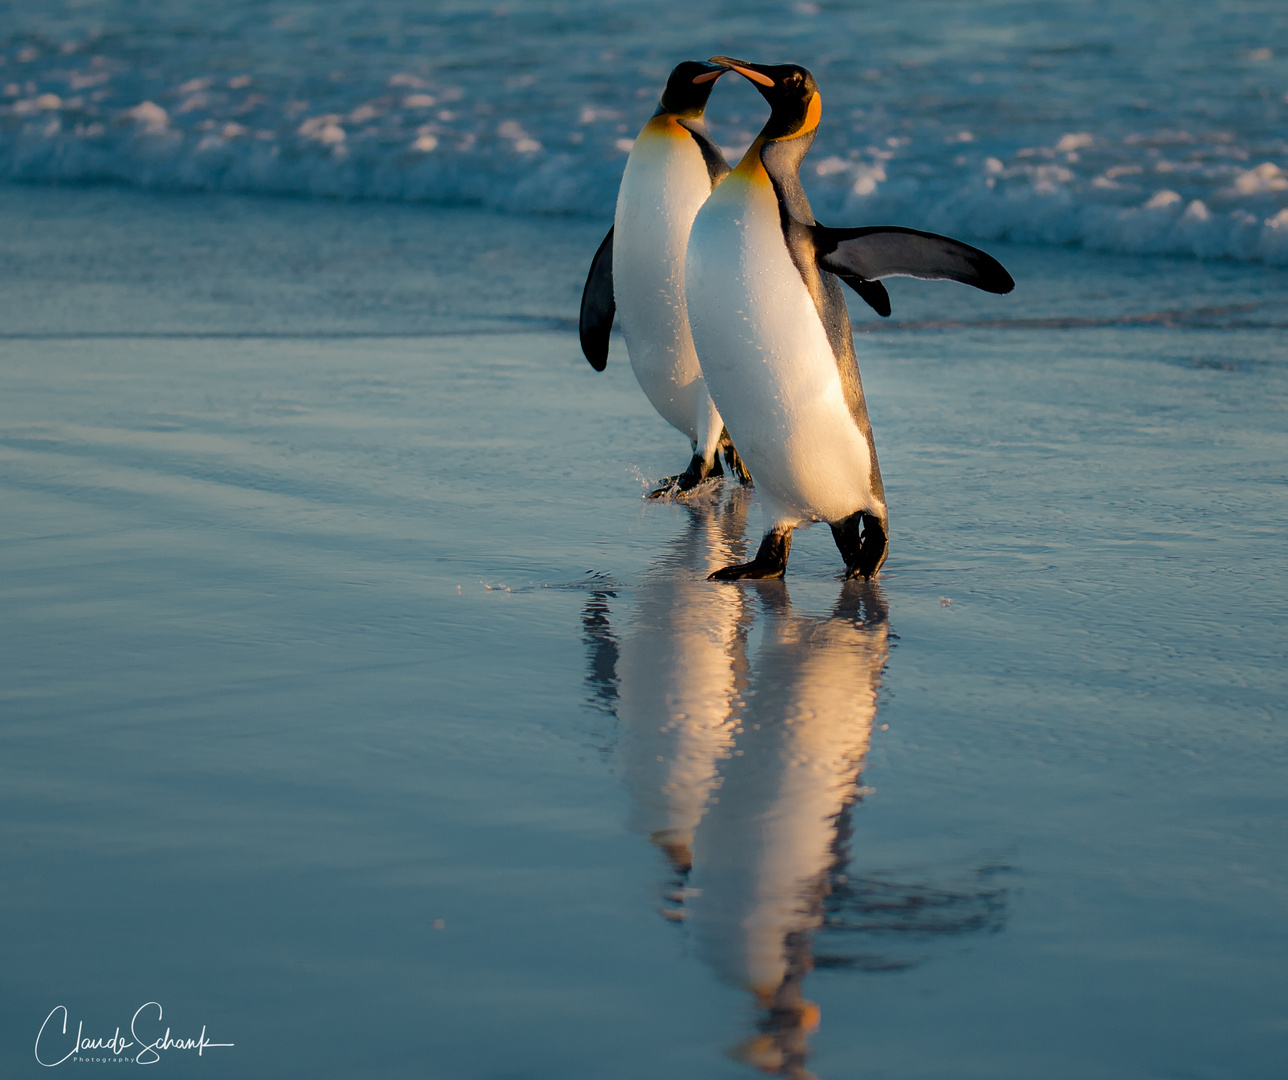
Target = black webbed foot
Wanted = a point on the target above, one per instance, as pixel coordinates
(665, 487)
(770, 560)
(737, 469)
(676, 487)
(863, 544)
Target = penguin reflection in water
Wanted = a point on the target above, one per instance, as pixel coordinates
(770, 326)
(637, 275)
(743, 768)
(765, 851)
(738, 772)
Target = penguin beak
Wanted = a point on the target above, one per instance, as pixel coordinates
(746, 70)
(710, 76)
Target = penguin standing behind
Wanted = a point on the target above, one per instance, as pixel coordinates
(638, 271)
(770, 325)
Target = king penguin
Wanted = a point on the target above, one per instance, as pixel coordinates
(638, 272)
(770, 326)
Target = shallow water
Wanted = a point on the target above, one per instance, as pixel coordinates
(340, 651)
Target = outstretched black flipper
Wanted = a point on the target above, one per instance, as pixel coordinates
(598, 306)
(889, 251)
(873, 292)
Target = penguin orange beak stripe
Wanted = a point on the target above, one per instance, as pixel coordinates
(754, 76)
(708, 76)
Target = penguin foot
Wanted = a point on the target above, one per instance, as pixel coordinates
(770, 560)
(682, 484)
(665, 487)
(863, 543)
(737, 469)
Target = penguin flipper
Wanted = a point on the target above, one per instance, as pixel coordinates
(873, 292)
(598, 307)
(889, 251)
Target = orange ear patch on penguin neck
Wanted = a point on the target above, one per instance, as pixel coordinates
(813, 114)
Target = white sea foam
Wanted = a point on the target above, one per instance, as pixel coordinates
(1055, 128)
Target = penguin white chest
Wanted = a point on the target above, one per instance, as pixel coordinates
(665, 182)
(767, 360)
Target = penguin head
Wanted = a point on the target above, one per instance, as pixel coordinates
(689, 87)
(791, 92)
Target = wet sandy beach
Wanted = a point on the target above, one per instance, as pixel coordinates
(357, 707)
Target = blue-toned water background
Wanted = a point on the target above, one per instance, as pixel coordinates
(325, 571)
(1132, 127)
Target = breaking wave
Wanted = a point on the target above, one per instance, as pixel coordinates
(1051, 125)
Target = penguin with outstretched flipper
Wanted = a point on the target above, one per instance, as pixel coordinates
(770, 326)
(637, 274)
